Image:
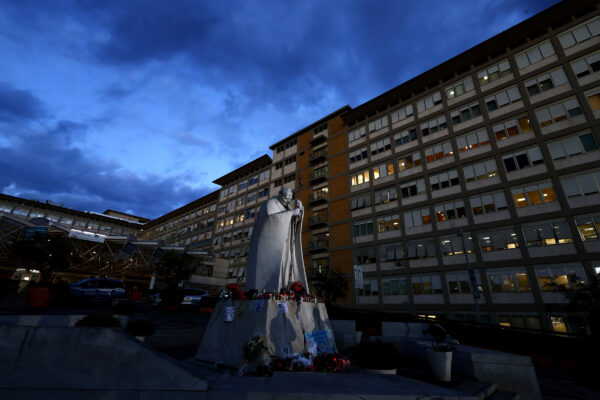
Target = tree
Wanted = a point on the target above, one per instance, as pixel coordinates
(175, 267)
(46, 253)
(583, 308)
(330, 285)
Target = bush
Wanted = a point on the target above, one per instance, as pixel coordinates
(100, 320)
(140, 327)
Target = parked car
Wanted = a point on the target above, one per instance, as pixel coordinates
(194, 297)
(99, 290)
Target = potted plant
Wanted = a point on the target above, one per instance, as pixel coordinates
(377, 357)
(440, 354)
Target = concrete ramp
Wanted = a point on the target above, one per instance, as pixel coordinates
(86, 362)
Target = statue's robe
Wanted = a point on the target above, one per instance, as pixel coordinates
(275, 254)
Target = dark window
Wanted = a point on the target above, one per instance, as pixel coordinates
(522, 161)
(510, 165)
(492, 105)
(588, 142)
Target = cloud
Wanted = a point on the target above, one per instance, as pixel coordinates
(19, 105)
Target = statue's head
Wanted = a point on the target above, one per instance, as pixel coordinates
(286, 195)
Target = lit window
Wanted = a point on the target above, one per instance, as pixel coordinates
(494, 72)
(534, 194)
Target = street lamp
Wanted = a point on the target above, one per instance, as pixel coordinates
(474, 284)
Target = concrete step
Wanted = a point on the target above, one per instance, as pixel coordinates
(476, 389)
(504, 395)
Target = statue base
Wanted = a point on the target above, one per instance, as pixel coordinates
(288, 328)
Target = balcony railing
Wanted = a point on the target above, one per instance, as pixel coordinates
(318, 155)
(318, 197)
(320, 219)
(318, 244)
(319, 175)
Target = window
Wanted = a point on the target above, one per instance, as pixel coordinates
(488, 203)
(280, 149)
(451, 245)
(572, 145)
(289, 178)
(503, 98)
(583, 184)
(378, 123)
(458, 282)
(417, 217)
(558, 111)
(358, 155)
(291, 143)
(459, 88)
(279, 165)
(240, 217)
(559, 275)
(365, 255)
(385, 195)
(251, 197)
(473, 140)
(434, 125)
(402, 113)
(534, 54)
(587, 65)
(363, 228)
(287, 162)
(450, 210)
(537, 193)
(369, 288)
(361, 201)
(429, 101)
(250, 213)
(439, 152)
(465, 113)
(510, 281)
(394, 285)
(263, 192)
(356, 134)
(253, 180)
(409, 161)
(593, 97)
(391, 252)
(413, 188)
(444, 180)
(405, 136)
(480, 170)
(383, 170)
(380, 146)
(241, 201)
(512, 127)
(547, 233)
(319, 265)
(360, 178)
(320, 129)
(501, 239)
(523, 159)
(494, 72)
(422, 248)
(546, 82)
(426, 284)
(277, 183)
(580, 33)
(588, 226)
(388, 223)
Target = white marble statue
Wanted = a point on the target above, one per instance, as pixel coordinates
(275, 255)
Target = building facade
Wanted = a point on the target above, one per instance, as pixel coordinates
(489, 162)
(500, 142)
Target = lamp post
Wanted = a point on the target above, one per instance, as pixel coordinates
(474, 285)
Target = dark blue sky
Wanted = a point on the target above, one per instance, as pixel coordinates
(139, 105)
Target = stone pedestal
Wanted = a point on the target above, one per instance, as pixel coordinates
(282, 323)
